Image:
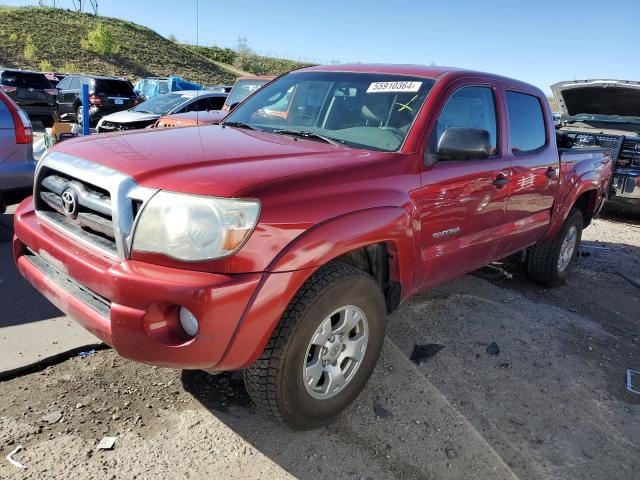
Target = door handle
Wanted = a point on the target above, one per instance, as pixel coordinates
(551, 173)
(500, 181)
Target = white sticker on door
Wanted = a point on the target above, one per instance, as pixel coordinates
(378, 87)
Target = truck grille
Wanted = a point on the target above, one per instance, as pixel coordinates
(629, 154)
(611, 143)
(89, 214)
(93, 204)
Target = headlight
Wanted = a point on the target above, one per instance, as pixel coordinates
(194, 228)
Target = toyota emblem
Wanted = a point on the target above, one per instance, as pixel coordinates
(70, 202)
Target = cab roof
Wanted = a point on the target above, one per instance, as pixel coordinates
(425, 71)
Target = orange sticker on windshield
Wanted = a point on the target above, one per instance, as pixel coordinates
(394, 87)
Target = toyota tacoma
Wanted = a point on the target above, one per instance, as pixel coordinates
(278, 244)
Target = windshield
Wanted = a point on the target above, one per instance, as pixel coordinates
(242, 89)
(361, 110)
(162, 104)
(25, 80)
(120, 88)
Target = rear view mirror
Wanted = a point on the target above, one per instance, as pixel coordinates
(463, 143)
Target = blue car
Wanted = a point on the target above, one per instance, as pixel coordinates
(153, 86)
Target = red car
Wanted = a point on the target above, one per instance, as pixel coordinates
(279, 244)
(243, 87)
(212, 117)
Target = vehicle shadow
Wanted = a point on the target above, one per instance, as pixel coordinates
(392, 430)
(615, 213)
(20, 303)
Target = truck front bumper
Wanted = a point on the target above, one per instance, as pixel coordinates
(133, 306)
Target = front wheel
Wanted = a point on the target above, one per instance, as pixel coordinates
(324, 349)
(550, 263)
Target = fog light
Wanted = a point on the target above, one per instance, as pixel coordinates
(189, 322)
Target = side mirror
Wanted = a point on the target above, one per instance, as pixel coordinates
(462, 143)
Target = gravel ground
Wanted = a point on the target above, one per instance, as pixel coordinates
(524, 382)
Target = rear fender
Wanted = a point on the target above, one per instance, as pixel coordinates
(590, 176)
(302, 257)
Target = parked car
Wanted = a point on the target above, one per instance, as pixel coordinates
(606, 113)
(219, 88)
(16, 153)
(146, 113)
(153, 86)
(106, 95)
(243, 87)
(32, 91)
(212, 117)
(278, 244)
(54, 78)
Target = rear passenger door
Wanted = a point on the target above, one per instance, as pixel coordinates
(534, 166)
(461, 202)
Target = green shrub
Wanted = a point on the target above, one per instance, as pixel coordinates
(13, 37)
(100, 40)
(69, 67)
(217, 54)
(29, 51)
(45, 66)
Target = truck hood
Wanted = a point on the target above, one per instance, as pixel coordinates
(598, 97)
(210, 159)
(129, 116)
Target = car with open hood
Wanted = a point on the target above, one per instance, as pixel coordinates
(606, 113)
(148, 112)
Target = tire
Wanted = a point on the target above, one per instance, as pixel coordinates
(275, 381)
(79, 115)
(47, 122)
(543, 263)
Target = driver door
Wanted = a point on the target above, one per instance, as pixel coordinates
(461, 202)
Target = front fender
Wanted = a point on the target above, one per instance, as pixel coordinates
(302, 257)
(337, 236)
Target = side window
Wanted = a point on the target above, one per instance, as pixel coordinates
(526, 123)
(75, 83)
(216, 103)
(468, 107)
(64, 83)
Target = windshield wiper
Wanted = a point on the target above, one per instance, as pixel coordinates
(240, 125)
(309, 135)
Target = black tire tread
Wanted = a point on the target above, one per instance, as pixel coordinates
(261, 378)
(539, 261)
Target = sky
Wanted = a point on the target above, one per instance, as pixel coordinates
(538, 41)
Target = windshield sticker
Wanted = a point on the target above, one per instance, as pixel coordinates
(377, 87)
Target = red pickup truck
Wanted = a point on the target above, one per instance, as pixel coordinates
(279, 244)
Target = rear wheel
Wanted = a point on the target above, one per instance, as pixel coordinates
(323, 351)
(550, 263)
(47, 122)
(79, 116)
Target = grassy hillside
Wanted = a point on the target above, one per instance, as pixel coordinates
(31, 37)
(248, 62)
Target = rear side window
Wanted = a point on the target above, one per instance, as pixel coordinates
(115, 88)
(526, 122)
(468, 107)
(25, 80)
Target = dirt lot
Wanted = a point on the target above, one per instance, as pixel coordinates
(548, 402)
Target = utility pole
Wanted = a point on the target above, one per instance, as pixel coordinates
(94, 6)
(242, 44)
